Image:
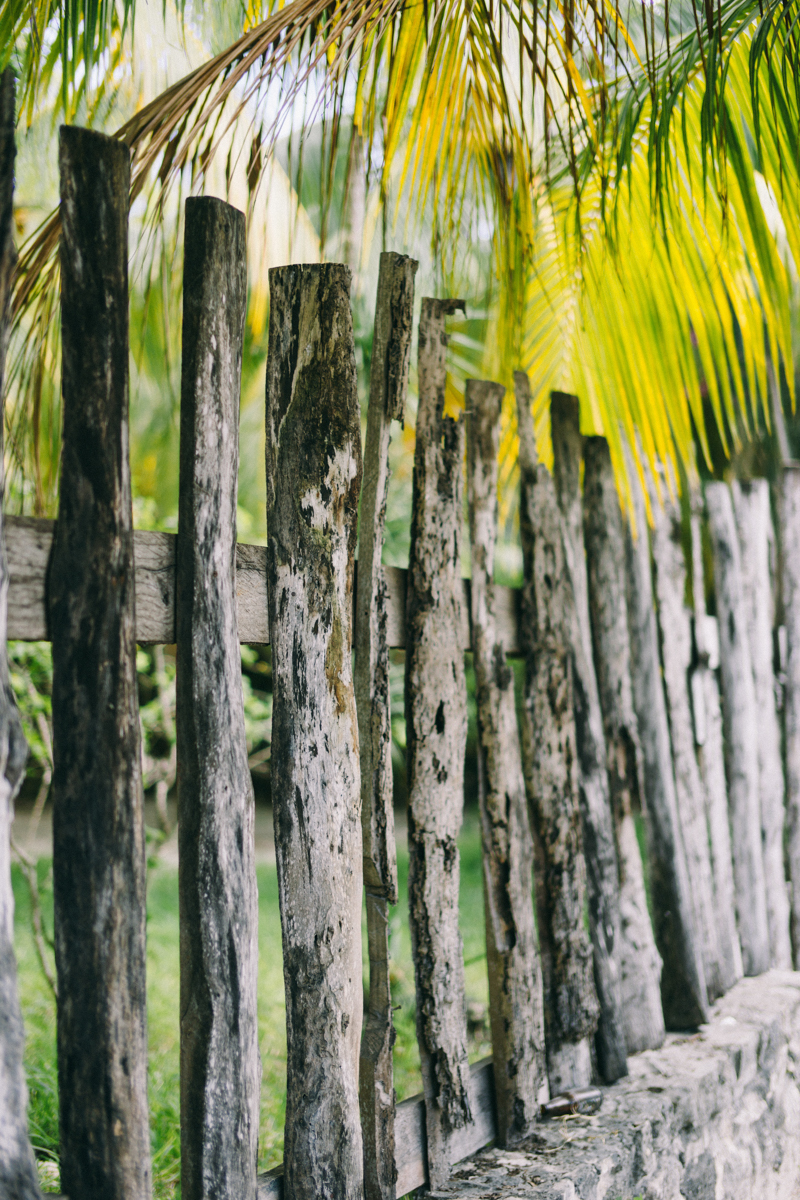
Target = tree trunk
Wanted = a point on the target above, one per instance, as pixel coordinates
(220, 1064)
(600, 850)
(551, 770)
(711, 757)
(515, 976)
(741, 724)
(313, 480)
(790, 594)
(754, 526)
(18, 1177)
(683, 985)
(436, 733)
(604, 534)
(676, 650)
(98, 811)
(391, 350)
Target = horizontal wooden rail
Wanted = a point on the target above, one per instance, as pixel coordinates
(29, 542)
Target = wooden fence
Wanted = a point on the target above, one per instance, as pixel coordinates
(621, 715)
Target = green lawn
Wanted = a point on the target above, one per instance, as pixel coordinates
(163, 984)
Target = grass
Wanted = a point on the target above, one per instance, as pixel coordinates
(162, 1010)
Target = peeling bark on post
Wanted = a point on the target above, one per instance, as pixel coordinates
(751, 506)
(515, 975)
(551, 769)
(98, 811)
(790, 595)
(391, 350)
(436, 735)
(18, 1176)
(711, 757)
(604, 533)
(741, 726)
(600, 850)
(313, 480)
(220, 1065)
(684, 997)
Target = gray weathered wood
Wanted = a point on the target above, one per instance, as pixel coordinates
(741, 725)
(98, 810)
(604, 535)
(751, 505)
(600, 850)
(790, 595)
(684, 997)
(391, 349)
(436, 733)
(515, 975)
(676, 654)
(220, 1065)
(707, 712)
(313, 480)
(17, 1169)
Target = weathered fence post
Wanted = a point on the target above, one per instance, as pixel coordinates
(790, 594)
(220, 1067)
(515, 976)
(604, 533)
(602, 867)
(684, 997)
(551, 768)
(391, 350)
(436, 735)
(676, 653)
(741, 732)
(751, 506)
(98, 813)
(313, 480)
(17, 1169)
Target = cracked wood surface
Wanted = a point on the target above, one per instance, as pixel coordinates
(790, 596)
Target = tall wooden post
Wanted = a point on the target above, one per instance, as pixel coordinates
(98, 812)
(598, 827)
(515, 976)
(790, 594)
(220, 1066)
(436, 736)
(17, 1169)
(391, 351)
(313, 481)
(640, 962)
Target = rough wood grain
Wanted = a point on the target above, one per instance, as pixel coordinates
(707, 712)
(551, 769)
(598, 827)
(18, 1176)
(515, 975)
(98, 811)
(220, 1065)
(684, 997)
(741, 726)
(604, 534)
(313, 480)
(751, 505)
(676, 654)
(436, 733)
(790, 595)
(391, 349)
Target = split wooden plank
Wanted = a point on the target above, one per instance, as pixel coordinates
(220, 1063)
(18, 1175)
(551, 769)
(436, 735)
(707, 712)
(684, 996)
(391, 351)
(602, 867)
(313, 482)
(741, 725)
(751, 506)
(98, 808)
(790, 595)
(515, 974)
(676, 653)
(604, 534)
